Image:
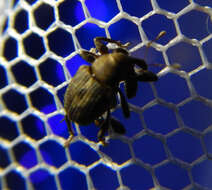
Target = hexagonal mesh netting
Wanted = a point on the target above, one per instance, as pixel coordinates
(168, 140)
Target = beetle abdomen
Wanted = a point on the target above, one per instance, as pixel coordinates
(86, 99)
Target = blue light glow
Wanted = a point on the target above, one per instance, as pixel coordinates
(74, 63)
(48, 108)
(29, 159)
(58, 126)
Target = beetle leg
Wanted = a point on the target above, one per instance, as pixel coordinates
(93, 50)
(146, 76)
(117, 126)
(88, 56)
(124, 104)
(118, 43)
(102, 48)
(104, 128)
(131, 86)
(70, 130)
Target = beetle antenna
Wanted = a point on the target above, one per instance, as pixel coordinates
(161, 34)
(174, 66)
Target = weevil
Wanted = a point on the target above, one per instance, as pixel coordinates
(93, 90)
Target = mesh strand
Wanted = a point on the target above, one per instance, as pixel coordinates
(168, 139)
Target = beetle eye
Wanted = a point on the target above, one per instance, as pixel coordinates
(121, 50)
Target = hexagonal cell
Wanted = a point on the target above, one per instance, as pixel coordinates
(42, 179)
(202, 173)
(118, 151)
(204, 3)
(83, 154)
(57, 127)
(186, 55)
(61, 42)
(71, 12)
(3, 77)
(207, 46)
(25, 155)
(172, 176)
(34, 46)
(135, 176)
(78, 180)
(33, 127)
(162, 23)
(53, 153)
(149, 149)
(10, 49)
(15, 101)
(43, 100)
(131, 124)
(136, 8)
(87, 33)
(15, 180)
(185, 146)
(196, 115)
(52, 72)
(174, 7)
(118, 32)
(101, 175)
(74, 63)
(192, 24)
(107, 9)
(201, 81)
(4, 158)
(178, 89)
(44, 16)
(31, 1)
(8, 128)
(29, 77)
(90, 132)
(208, 142)
(21, 21)
(160, 119)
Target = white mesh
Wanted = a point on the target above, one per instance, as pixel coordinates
(197, 97)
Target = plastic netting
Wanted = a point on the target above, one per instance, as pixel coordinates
(168, 140)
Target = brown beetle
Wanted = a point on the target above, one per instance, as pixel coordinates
(93, 90)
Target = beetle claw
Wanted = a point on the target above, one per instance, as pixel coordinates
(68, 141)
(104, 143)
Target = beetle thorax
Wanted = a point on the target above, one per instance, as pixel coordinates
(111, 69)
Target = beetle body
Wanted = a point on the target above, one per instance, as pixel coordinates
(93, 90)
(86, 99)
